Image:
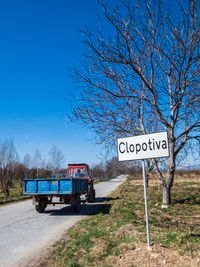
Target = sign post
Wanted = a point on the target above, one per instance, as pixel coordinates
(145, 201)
(143, 147)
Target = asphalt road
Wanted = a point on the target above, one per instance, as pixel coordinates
(26, 234)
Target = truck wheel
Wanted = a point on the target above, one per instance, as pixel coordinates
(91, 194)
(91, 197)
(41, 205)
(75, 203)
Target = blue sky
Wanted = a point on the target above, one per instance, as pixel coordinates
(39, 44)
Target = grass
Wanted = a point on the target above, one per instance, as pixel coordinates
(92, 241)
(16, 194)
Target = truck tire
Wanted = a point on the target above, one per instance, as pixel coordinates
(41, 205)
(91, 193)
(75, 203)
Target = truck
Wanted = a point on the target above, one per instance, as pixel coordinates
(66, 188)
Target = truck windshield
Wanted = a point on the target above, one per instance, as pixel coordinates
(77, 172)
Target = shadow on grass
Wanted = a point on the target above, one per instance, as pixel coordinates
(94, 208)
(195, 235)
(189, 200)
(103, 199)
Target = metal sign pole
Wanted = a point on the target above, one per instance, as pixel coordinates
(146, 205)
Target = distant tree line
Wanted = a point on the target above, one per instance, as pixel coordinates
(112, 168)
(12, 169)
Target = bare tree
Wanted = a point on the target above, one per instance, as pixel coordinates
(27, 164)
(37, 160)
(8, 159)
(56, 158)
(98, 172)
(114, 167)
(20, 174)
(145, 77)
(27, 161)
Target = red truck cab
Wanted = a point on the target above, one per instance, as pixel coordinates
(81, 171)
(78, 170)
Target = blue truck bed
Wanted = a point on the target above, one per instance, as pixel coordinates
(55, 186)
(65, 188)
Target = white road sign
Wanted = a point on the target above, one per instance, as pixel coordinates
(143, 147)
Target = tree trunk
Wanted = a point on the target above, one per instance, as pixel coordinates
(7, 192)
(168, 182)
(166, 194)
(22, 186)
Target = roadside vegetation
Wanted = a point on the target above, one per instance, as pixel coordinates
(13, 170)
(15, 194)
(116, 235)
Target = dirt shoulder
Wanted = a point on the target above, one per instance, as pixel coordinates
(155, 256)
